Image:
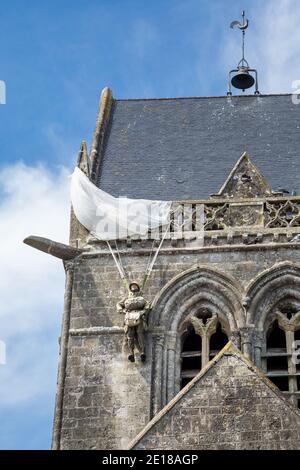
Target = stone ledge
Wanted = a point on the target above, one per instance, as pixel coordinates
(96, 330)
(202, 249)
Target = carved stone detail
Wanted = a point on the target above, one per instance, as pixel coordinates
(83, 161)
(215, 216)
(288, 324)
(207, 328)
(220, 217)
(244, 181)
(282, 214)
(245, 215)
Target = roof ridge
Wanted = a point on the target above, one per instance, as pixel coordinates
(174, 98)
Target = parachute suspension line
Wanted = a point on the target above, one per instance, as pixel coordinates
(119, 266)
(151, 264)
(150, 256)
(120, 260)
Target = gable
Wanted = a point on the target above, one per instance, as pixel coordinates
(245, 181)
(229, 405)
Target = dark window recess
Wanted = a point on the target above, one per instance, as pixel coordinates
(281, 382)
(298, 383)
(217, 341)
(297, 335)
(185, 381)
(192, 341)
(276, 343)
(276, 337)
(298, 402)
(277, 363)
(191, 363)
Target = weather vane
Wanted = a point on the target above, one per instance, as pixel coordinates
(242, 78)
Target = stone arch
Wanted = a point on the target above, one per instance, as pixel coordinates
(184, 296)
(270, 289)
(280, 282)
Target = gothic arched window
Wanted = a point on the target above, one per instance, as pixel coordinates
(194, 298)
(202, 338)
(280, 360)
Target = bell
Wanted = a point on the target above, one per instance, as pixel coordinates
(242, 79)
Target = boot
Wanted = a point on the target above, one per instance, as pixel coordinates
(143, 357)
(131, 358)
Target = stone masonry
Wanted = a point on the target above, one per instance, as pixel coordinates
(107, 400)
(229, 405)
(234, 256)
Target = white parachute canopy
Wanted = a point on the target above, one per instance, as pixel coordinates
(110, 218)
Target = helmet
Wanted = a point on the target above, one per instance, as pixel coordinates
(134, 287)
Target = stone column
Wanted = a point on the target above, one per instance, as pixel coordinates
(246, 341)
(289, 333)
(156, 400)
(171, 366)
(258, 339)
(205, 349)
(235, 339)
(205, 330)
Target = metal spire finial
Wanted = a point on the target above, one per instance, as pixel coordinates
(242, 26)
(242, 78)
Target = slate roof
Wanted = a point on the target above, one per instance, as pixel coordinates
(184, 148)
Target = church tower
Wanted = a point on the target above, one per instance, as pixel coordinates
(213, 360)
(228, 270)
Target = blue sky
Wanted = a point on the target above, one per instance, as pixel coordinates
(55, 57)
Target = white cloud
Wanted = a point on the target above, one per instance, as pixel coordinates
(282, 38)
(33, 201)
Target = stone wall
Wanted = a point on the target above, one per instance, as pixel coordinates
(107, 400)
(229, 405)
